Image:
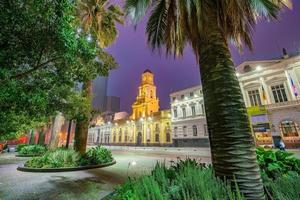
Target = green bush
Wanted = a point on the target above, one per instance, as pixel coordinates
(275, 163)
(96, 155)
(20, 146)
(58, 158)
(285, 187)
(183, 180)
(62, 157)
(32, 150)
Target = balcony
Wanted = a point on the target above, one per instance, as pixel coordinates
(283, 104)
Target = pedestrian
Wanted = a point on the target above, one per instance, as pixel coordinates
(281, 145)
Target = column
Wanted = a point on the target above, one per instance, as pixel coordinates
(244, 94)
(267, 93)
(290, 88)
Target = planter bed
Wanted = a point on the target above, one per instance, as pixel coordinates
(66, 169)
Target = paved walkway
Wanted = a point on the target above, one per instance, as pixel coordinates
(88, 184)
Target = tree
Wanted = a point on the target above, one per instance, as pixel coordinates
(99, 20)
(207, 26)
(41, 59)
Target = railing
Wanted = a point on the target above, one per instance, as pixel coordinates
(283, 104)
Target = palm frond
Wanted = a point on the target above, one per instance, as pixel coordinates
(157, 23)
(136, 9)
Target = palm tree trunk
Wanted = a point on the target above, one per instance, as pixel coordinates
(56, 128)
(82, 125)
(232, 145)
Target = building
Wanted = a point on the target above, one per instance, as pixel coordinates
(271, 92)
(146, 126)
(188, 118)
(112, 104)
(100, 93)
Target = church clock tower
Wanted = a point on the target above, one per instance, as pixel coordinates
(146, 101)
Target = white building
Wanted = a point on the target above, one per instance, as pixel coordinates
(188, 118)
(271, 91)
(100, 133)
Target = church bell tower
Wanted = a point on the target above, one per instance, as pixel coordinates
(146, 101)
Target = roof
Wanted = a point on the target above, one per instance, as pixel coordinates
(147, 70)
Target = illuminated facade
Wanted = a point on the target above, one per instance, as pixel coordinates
(146, 126)
(271, 91)
(188, 118)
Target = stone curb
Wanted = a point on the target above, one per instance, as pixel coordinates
(20, 155)
(66, 169)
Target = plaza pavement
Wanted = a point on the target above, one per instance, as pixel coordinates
(87, 184)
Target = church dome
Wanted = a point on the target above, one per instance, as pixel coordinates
(147, 70)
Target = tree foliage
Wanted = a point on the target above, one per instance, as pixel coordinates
(42, 58)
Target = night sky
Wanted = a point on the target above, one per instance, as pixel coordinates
(134, 56)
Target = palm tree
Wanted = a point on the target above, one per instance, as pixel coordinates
(98, 18)
(207, 26)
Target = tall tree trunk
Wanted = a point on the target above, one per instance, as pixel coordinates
(82, 125)
(231, 142)
(69, 134)
(41, 140)
(31, 137)
(56, 128)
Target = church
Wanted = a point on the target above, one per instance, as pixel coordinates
(147, 125)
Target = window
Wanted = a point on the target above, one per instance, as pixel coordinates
(289, 129)
(168, 137)
(205, 130)
(254, 97)
(279, 93)
(156, 137)
(120, 138)
(195, 132)
(203, 110)
(183, 112)
(182, 97)
(174, 98)
(175, 112)
(184, 131)
(191, 94)
(175, 131)
(126, 138)
(193, 111)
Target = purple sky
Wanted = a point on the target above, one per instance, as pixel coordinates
(133, 55)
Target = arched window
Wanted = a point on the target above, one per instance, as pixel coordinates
(195, 131)
(168, 137)
(156, 137)
(289, 128)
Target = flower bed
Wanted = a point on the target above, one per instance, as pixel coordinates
(31, 150)
(191, 180)
(69, 160)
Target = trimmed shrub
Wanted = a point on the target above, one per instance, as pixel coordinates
(275, 163)
(58, 158)
(61, 157)
(32, 150)
(183, 180)
(20, 146)
(96, 155)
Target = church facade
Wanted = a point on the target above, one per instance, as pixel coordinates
(146, 126)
